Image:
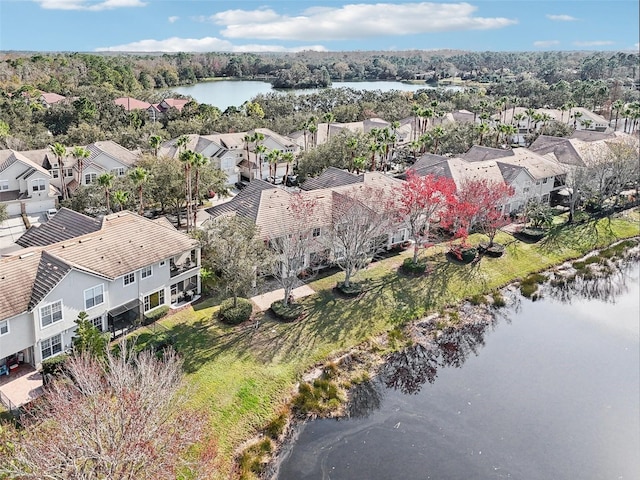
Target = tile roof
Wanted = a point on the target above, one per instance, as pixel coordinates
(17, 276)
(177, 103)
(64, 225)
(112, 149)
(51, 98)
(130, 103)
(331, 177)
(125, 243)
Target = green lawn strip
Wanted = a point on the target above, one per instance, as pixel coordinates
(241, 375)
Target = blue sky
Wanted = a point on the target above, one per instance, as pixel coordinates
(334, 25)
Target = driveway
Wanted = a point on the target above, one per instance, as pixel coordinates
(12, 229)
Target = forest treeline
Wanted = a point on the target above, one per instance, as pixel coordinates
(91, 82)
(63, 72)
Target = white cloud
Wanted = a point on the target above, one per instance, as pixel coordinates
(594, 43)
(206, 44)
(546, 43)
(562, 18)
(637, 45)
(173, 19)
(90, 5)
(354, 21)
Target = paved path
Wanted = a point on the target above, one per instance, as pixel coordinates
(265, 300)
(22, 386)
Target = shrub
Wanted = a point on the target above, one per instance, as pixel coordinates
(287, 313)
(411, 268)
(54, 366)
(235, 315)
(495, 250)
(529, 285)
(498, 300)
(478, 299)
(321, 397)
(533, 234)
(253, 460)
(353, 290)
(276, 427)
(156, 315)
(464, 254)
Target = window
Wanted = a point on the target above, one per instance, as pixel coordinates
(545, 198)
(118, 172)
(525, 189)
(538, 182)
(4, 185)
(545, 180)
(51, 313)
(89, 178)
(146, 272)
(97, 322)
(68, 172)
(54, 173)
(154, 300)
(38, 184)
(93, 296)
(163, 263)
(51, 346)
(316, 232)
(129, 278)
(4, 327)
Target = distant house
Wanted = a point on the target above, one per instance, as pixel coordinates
(48, 99)
(177, 103)
(25, 186)
(115, 269)
(131, 104)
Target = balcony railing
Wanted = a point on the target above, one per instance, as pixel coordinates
(177, 269)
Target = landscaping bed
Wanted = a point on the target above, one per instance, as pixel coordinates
(287, 313)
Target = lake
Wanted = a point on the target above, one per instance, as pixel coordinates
(548, 390)
(226, 93)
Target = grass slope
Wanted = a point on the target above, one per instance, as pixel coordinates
(242, 375)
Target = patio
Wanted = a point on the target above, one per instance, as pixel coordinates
(20, 387)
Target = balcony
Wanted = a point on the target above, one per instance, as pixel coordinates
(176, 268)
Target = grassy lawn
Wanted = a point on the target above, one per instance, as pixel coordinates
(243, 375)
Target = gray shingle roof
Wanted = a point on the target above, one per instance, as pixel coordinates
(331, 177)
(440, 169)
(509, 172)
(50, 271)
(427, 160)
(64, 225)
(478, 153)
(246, 203)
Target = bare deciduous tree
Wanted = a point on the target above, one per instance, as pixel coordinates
(361, 222)
(121, 419)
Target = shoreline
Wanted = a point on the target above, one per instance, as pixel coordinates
(422, 331)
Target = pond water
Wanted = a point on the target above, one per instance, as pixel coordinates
(547, 390)
(226, 93)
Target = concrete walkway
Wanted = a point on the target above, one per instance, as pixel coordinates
(265, 300)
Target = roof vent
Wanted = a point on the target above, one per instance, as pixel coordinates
(26, 255)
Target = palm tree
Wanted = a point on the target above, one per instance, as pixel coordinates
(563, 108)
(80, 153)
(586, 123)
(313, 128)
(530, 112)
(617, 106)
(106, 181)
(154, 142)
(518, 117)
(260, 151)
(414, 146)
(415, 109)
(374, 148)
(288, 158)
(139, 176)
(352, 145)
(120, 198)
(186, 157)
(359, 163)
(273, 157)
(437, 133)
(248, 138)
(197, 162)
(576, 117)
(482, 129)
(60, 151)
(181, 142)
(328, 117)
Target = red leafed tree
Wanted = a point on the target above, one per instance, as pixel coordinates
(123, 418)
(422, 200)
(478, 204)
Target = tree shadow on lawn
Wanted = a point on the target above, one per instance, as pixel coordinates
(582, 236)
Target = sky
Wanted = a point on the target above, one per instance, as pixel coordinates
(324, 25)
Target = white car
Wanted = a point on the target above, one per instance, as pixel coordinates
(50, 213)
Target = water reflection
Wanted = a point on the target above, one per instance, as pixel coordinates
(606, 283)
(408, 370)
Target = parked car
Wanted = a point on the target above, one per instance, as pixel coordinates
(241, 184)
(292, 181)
(50, 213)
